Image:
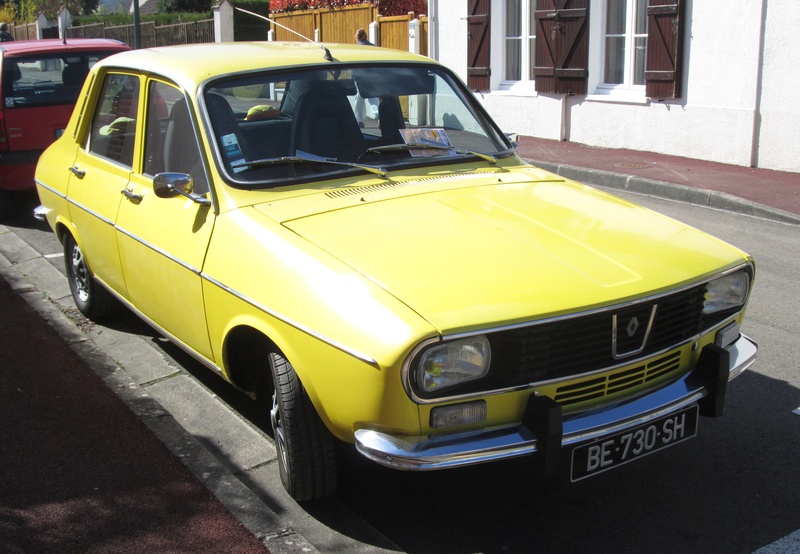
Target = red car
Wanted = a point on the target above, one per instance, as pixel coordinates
(39, 84)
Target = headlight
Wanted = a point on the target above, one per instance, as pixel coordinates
(453, 362)
(726, 293)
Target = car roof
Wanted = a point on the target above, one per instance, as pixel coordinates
(25, 47)
(217, 59)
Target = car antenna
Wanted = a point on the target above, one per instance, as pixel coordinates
(267, 19)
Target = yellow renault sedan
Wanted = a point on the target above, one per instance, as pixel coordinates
(345, 234)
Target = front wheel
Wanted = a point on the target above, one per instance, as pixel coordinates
(90, 297)
(306, 449)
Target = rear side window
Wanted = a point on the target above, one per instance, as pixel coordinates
(45, 80)
(113, 131)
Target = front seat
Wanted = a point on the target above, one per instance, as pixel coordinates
(181, 152)
(325, 125)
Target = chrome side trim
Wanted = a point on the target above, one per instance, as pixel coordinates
(300, 327)
(426, 452)
(154, 248)
(50, 189)
(90, 212)
(177, 342)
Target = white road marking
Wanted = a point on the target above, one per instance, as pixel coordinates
(50, 256)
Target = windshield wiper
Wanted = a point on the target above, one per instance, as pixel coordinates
(423, 146)
(301, 156)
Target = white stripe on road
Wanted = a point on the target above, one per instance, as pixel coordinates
(797, 411)
(49, 256)
(789, 544)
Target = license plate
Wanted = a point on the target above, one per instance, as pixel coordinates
(610, 452)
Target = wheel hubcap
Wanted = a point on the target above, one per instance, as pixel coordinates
(277, 429)
(80, 275)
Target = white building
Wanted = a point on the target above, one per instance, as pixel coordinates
(706, 79)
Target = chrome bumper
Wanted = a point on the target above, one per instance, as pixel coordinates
(426, 452)
(40, 213)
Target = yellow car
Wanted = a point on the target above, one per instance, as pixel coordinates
(344, 233)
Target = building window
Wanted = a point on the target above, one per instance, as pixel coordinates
(625, 45)
(520, 39)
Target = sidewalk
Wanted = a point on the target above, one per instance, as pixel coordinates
(81, 470)
(759, 192)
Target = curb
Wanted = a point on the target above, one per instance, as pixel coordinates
(670, 191)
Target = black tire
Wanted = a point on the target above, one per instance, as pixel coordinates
(306, 449)
(89, 296)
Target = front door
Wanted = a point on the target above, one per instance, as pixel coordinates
(163, 241)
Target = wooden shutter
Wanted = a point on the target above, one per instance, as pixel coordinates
(478, 45)
(562, 46)
(662, 73)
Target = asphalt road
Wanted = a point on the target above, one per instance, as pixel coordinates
(733, 488)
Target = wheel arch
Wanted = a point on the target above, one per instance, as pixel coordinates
(243, 367)
(245, 353)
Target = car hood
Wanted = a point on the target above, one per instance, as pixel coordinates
(488, 250)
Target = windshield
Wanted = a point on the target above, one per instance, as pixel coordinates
(281, 128)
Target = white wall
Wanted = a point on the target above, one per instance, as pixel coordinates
(779, 136)
(733, 109)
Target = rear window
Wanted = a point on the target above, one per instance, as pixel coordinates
(45, 80)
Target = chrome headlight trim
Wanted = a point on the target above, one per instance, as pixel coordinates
(451, 363)
(727, 292)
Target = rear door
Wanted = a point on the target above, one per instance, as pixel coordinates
(101, 173)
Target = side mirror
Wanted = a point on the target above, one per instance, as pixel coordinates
(513, 138)
(167, 185)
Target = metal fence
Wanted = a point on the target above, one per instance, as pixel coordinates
(337, 25)
(191, 32)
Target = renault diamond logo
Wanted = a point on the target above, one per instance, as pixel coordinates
(623, 346)
(632, 327)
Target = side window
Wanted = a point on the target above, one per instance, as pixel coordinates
(171, 143)
(113, 131)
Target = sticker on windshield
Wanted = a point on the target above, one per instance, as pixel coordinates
(233, 152)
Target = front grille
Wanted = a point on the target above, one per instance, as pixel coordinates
(617, 382)
(583, 344)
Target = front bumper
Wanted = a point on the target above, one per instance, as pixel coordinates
(426, 452)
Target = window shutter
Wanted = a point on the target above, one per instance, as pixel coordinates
(562, 46)
(662, 73)
(478, 45)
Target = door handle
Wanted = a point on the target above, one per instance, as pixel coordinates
(79, 173)
(132, 196)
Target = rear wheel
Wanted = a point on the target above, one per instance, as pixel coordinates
(90, 297)
(306, 449)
